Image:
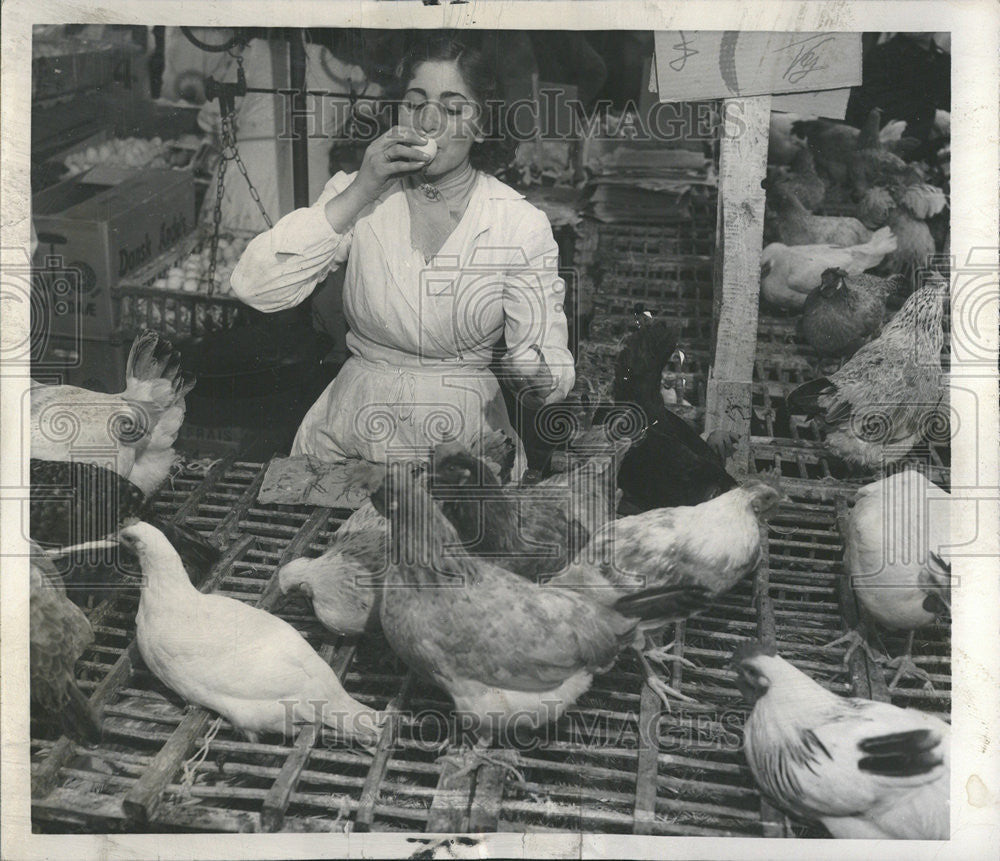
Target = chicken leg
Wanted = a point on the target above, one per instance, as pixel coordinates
(857, 641)
(468, 759)
(656, 653)
(906, 668)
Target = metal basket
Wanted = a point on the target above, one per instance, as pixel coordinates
(176, 313)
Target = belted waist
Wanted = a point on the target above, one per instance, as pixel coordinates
(386, 360)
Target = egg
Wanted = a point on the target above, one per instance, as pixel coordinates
(430, 148)
(191, 285)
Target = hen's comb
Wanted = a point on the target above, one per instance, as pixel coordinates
(769, 477)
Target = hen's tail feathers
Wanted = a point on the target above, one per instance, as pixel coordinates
(883, 241)
(804, 400)
(78, 718)
(198, 554)
(151, 358)
(901, 754)
(663, 603)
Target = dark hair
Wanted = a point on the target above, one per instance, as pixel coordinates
(478, 69)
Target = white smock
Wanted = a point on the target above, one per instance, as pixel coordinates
(421, 333)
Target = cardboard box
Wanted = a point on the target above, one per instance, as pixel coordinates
(94, 229)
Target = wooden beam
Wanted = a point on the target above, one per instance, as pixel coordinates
(272, 814)
(742, 167)
(370, 792)
(647, 762)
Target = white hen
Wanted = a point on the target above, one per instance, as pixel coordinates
(894, 555)
(789, 273)
(131, 432)
(342, 583)
(253, 668)
(864, 769)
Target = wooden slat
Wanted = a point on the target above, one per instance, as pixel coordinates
(487, 800)
(772, 820)
(227, 528)
(193, 500)
(383, 753)
(647, 765)
(272, 814)
(742, 167)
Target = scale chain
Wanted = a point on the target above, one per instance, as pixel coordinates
(230, 152)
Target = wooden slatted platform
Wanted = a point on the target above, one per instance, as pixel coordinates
(617, 763)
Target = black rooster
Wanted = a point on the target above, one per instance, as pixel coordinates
(668, 464)
(78, 504)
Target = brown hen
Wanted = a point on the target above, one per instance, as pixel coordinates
(888, 396)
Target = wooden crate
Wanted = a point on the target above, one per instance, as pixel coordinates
(601, 769)
(175, 313)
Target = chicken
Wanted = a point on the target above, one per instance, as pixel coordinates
(834, 145)
(905, 204)
(344, 584)
(864, 769)
(668, 463)
(512, 654)
(790, 273)
(59, 633)
(894, 555)
(782, 143)
(786, 220)
(698, 552)
(916, 246)
(132, 432)
(888, 395)
(872, 164)
(831, 144)
(530, 530)
(802, 180)
(708, 547)
(252, 668)
(76, 507)
(845, 312)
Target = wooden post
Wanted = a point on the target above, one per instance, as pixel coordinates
(742, 166)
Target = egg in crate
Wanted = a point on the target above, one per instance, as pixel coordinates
(175, 278)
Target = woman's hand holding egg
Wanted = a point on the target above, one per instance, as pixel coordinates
(400, 150)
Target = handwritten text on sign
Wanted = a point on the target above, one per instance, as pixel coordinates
(709, 64)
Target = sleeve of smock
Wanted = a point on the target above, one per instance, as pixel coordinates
(533, 303)
(281, 267)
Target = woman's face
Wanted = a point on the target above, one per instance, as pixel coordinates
(439, 104)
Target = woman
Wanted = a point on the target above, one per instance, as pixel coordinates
(442, 260)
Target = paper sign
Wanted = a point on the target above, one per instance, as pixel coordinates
(305, 480)
(711, 64)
